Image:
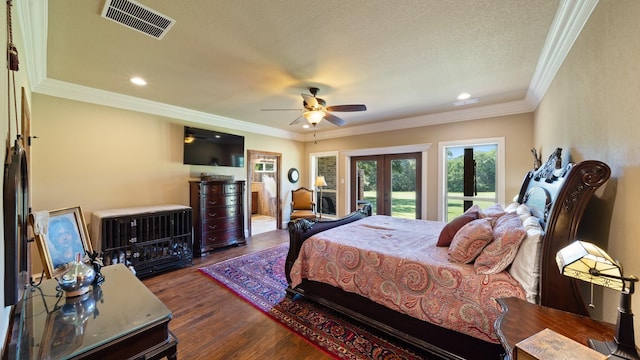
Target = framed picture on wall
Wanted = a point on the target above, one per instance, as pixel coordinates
(60, 235)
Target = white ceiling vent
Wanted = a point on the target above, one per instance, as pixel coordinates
(138, 17)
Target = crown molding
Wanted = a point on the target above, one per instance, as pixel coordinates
(565, 29)
(569, 20)
(76, 92)
(33, 22)
(476, 113)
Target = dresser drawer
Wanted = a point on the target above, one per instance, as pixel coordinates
(216, 239)
(220, 189)
(221, 212)
(218, 224)
(221, 201)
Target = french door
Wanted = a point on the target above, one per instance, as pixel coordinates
(391, 183)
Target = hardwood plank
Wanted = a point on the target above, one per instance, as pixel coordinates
(211, 322)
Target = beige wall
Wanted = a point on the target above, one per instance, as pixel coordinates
(98, 158)
(592, 110)
(516, 129)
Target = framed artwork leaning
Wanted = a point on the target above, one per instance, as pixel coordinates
(60, 236)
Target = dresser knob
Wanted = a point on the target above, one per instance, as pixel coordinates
(213, 215)
(213, 226)
(212, 202)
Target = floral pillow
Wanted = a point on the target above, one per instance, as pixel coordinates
(470, 240)
(451, 229)
(508, 234)
(494, 211)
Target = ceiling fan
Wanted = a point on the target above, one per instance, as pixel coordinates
(315, 109)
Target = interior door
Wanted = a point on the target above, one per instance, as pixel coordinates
(392, 183)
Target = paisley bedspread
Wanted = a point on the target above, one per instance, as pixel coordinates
(395, 262)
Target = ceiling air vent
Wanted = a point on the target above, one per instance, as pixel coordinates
(138, 17)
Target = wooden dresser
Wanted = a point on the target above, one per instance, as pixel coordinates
(218, 214)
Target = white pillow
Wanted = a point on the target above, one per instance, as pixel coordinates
(511, 208)
(523, 211)
(525, 268)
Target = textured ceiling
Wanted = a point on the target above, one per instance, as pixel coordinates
(232, 58)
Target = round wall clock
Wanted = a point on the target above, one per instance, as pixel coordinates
(293, 175)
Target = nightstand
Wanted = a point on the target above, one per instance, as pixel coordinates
(521, 319)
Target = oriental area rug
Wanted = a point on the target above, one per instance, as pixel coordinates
(259, 279)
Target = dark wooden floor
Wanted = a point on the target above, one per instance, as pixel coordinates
(210, 322)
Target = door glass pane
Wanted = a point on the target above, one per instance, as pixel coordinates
(403, 188)
(326, 196)
(485, 178)
(366, 182)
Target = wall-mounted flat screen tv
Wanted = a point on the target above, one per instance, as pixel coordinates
(213, 148)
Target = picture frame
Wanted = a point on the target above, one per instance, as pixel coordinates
(65, 237)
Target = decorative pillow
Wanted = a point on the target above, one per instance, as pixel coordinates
(494, 211)
(526, 266)
(450, 230)
(473, 209)
(508, 234)
(531, 222)
(470, 240)
(511, 208)
(523, 211)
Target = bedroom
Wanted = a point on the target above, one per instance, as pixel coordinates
(589, 110)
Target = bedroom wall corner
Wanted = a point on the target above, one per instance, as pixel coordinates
(9, 131)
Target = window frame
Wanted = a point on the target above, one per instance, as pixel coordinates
(442, 170)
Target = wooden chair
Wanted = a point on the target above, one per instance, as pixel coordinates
(302, 204)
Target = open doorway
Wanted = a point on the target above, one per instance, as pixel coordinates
(263, 191)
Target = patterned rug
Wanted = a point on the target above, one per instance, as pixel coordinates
(259, 279)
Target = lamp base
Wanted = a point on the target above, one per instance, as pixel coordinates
(615, 351)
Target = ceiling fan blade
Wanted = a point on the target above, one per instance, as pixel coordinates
(334, 119)
(346, 108)
(297, 120)
(310, 100)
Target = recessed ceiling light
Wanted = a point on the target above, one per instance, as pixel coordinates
(464, 96)
(465, 102)
(138, 81)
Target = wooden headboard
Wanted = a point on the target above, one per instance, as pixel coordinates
(559, 195)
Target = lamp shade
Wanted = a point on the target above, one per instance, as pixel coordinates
(313, 117)
(587, 262)
(320, 181)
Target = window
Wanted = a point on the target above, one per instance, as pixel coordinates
(265, 166)
(470, 172)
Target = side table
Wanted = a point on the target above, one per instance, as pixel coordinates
(121, 319)
(521, 319)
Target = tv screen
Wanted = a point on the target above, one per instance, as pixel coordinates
(213, 148)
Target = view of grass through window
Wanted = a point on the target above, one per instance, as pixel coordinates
(403, 202)
(485, 178)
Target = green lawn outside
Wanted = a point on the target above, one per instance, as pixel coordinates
(403, 203)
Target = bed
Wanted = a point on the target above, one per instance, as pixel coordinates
(430, 294)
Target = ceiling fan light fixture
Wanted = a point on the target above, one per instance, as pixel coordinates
(314, 116)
